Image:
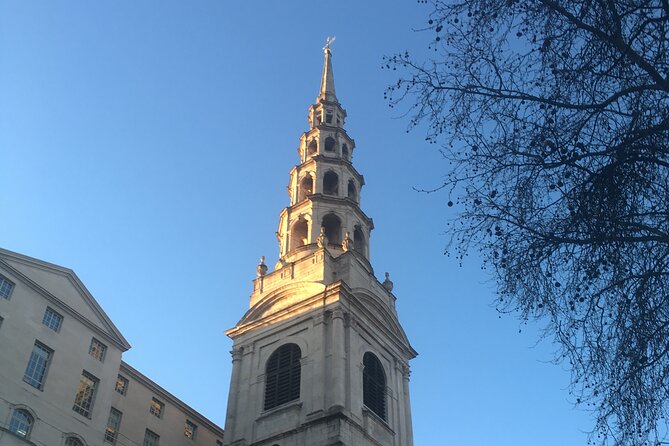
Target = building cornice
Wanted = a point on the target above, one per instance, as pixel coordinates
(167, 396)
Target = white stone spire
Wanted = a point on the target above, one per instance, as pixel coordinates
(325, 188)
(327, 79)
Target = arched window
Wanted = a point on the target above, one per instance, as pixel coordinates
(344, 151)
(332, 225)
(306, 187)
(73, 441)
(329, 144)
(352, 191)
(282, 376)
(330, 183)
(299, 236)
(312, 148)
(21, 423)
(374, 385)
(359, 240)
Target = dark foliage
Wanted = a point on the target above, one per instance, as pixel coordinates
(554, 115)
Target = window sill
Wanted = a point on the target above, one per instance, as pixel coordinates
(25, 439)
(286, 407)
(88, 417)
(367, 412)
(40, 388)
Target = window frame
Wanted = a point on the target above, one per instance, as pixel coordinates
(72, 440)
(155, 441)
(36, 361)
(14, 426)
(193, 430)
(161, 407)
(111, 431)
(374, 386)
(283, 376)
(53, 316)
(6, 287)
(79, 407)
(125, 381)
(97, 350)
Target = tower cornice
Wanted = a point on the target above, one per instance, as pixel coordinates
(333, 161)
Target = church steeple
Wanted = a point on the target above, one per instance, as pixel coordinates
(325, 187)
(320, 356)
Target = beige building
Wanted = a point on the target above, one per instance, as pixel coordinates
(320, 357)
(62, 380)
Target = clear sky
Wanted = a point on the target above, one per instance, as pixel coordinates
(147, 145)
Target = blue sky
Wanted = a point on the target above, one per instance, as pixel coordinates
(147, 145)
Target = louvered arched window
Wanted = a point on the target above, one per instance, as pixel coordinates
(374, 385)
(282, 376)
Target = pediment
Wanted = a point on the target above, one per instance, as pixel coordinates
(62, 288)
(386, 319)
(283, 301)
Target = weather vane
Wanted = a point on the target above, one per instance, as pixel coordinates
(328, 42)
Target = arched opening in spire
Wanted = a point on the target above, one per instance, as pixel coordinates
(306, 188)
(332, 225)
(352, 191)
(329, 144)
(312, 148)
(330, 183)
(344, 152)
(299, 235)
(359, 243)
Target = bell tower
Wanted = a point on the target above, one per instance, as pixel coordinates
(320, 357)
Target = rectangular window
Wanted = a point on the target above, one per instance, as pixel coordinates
(5, 288)
(37, 365)
(52, 319)
(113, 425)
(97, 350)
(151, 438)
(190, 430)
(156, 408)
(219, 443)
(121, 385)
(83, 401)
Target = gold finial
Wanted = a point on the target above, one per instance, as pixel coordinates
(329, 42)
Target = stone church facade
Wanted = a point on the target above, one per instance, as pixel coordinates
(320, 357)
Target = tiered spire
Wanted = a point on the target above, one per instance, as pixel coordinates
(324, 188)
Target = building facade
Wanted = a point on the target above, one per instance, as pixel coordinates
(62, 379)
(320, 357)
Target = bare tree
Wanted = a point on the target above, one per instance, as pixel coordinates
(554, 115)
